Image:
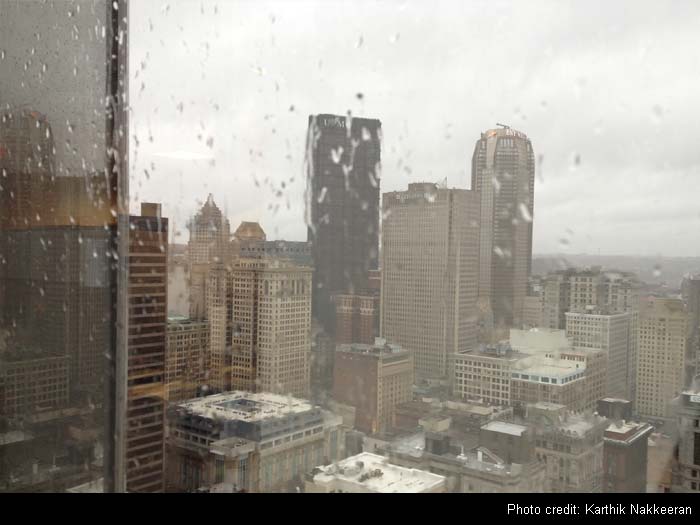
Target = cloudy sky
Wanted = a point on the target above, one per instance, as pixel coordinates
(221, 92)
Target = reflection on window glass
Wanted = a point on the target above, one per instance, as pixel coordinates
(56, 248)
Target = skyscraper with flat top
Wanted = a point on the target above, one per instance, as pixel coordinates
(145, 406)
(429, 272)
(503, 172)
(343, 155)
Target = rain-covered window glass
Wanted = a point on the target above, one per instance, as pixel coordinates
(332, 246)
(58, 220)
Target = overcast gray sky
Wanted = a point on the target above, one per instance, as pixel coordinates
(221, 92)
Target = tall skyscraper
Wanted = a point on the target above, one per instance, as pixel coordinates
(503, 172)
(343, 165)
(210, 234)
(209, 244)
(429, 273)
(663, 325)
(144, 446)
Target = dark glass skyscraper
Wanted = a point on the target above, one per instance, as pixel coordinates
(503, 171)
(343, 163)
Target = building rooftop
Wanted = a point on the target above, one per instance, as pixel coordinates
(498, 351)
(505, 428)
(94, 486)
(246, 406)
(379, 348)
(375, 474)
(626, 432)
(539, 340)
(483, 460)
(175, 321)
(559, 418)
(548, 370)
(249, 230)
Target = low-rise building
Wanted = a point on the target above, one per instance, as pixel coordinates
(371, 473)
(553, 380)
(373, 379)
(479, 469)
(249, 442)
(570, 444)
(625, 456)
(484, 374)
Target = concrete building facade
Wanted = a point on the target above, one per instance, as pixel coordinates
(429, 274)
(188, 358)
(373, 379)
(663, 325)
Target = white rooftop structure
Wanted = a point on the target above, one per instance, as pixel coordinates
(505, 428)
(539, 340)
(367, 472)
(548, 370)
(246, 406)
(94, 486)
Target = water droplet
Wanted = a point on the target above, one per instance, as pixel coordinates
(366, 135)
(336, 154)
(360, 41)
(657, 270)
(359, 96)
(210, 142)
(2, 54)
(525, 213)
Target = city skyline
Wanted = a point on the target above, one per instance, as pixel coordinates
(595, 125)
(317, 299)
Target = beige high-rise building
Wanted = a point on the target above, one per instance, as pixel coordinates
(503, 172)
(260, 326)
(217, 286)
(209, 244)
(616, 335)
(429, 273)
(663, 325)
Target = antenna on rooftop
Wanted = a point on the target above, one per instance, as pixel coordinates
(504, 126)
